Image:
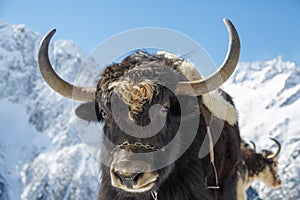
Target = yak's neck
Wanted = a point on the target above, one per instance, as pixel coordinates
(187, 182)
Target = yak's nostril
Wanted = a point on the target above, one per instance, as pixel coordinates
(136, 177)
(128, 179)
(118, 176)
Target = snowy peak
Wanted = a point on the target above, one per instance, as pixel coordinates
(262, 72)
(276, 80)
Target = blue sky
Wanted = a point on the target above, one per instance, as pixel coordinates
(267, 28)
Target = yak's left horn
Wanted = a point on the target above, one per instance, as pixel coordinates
(211, 83)
(253, 144)
(55, 82)
(278, 150)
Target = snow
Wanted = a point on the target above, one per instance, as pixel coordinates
(46, 154)
(19, 143)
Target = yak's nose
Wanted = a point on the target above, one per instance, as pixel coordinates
(277, 183)
(133, 176)
(129, 172)
(128, 179)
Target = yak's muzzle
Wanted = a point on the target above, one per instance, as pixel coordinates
(131, 175)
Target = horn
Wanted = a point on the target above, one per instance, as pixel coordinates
(211, 83)
(253, 144)
(278, 150)
(55, 82)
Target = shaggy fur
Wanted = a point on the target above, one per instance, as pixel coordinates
(135, 95)
(188, 177)
(256, 166)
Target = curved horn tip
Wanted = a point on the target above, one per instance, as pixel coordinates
(53, 31)
(273, 139)
(50, 34)
(226, 20)
(253, 144)
(46, 39)
(279, 146)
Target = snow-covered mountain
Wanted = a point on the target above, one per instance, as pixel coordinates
(42, 156)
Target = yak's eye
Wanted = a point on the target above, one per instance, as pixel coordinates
(165, 109)
(103, 114)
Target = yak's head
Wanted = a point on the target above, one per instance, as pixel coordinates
(140, 105)
(263, 165)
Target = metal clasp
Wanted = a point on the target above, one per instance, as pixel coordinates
(154, 194)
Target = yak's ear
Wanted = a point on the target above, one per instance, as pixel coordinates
(89, 112)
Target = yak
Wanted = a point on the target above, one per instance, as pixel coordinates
(161, 93)
(260, 166)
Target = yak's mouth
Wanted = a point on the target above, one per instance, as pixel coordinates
(136, 183)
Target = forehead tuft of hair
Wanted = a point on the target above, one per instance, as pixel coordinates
(135, 94)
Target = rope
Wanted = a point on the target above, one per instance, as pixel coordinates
(207, 117)
(212, 160)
